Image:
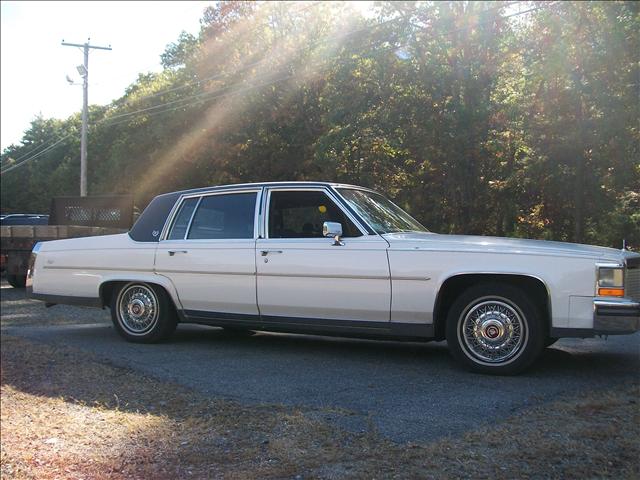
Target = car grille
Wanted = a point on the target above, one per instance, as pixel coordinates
(632, 281)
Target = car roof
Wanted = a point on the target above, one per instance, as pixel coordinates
(264, 184)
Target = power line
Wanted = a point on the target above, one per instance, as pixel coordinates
(486, 10)
(216, 93)
(13, 167)
(43, 144)
(221, 95)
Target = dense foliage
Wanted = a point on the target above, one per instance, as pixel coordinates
(477, 117)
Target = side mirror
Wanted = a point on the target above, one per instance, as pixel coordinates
(333, 229)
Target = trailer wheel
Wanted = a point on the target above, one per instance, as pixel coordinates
(17, 281)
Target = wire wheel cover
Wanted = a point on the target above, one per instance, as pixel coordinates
(138, 309)
(493, 331)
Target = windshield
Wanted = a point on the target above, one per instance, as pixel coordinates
(380, 213)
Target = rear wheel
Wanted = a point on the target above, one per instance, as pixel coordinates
(494, 328)
(143, 313)
(17, 281)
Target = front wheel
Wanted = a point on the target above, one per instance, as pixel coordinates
(494, 328)
(143, 313)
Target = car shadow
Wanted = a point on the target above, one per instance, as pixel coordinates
(326, 350)
(555, 359)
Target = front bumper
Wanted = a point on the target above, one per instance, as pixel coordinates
(615, 316)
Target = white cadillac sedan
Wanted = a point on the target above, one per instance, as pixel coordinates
(332, 259)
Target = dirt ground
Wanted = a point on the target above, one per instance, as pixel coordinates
(67, 414)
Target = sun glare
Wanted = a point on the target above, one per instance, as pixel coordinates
(272, 67)
(364, 7)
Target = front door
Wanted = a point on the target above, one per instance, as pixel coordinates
(303, 277)
(209, 254)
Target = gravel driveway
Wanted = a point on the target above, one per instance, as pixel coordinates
(407, 391)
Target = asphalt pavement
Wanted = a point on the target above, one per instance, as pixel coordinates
(405, 391)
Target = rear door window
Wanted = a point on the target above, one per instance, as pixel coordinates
(227, 216)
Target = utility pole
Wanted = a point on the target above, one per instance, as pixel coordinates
(84, 72)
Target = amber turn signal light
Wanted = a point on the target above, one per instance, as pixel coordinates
(611, 292)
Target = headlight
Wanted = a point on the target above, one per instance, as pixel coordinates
(611, 281)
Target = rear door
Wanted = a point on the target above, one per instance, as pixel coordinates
(209, 253)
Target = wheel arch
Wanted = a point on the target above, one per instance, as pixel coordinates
(109, 285)
(457, 283)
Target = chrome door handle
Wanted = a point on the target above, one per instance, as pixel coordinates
(264, 253)
(173, 252)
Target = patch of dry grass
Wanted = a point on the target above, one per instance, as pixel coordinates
(46, 437)
(65, 414)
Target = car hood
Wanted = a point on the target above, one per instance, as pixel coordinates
(427, 240)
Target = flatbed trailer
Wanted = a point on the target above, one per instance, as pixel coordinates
(69, 217)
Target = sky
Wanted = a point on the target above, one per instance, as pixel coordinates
(34, 64)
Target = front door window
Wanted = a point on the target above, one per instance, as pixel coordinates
(301, 214)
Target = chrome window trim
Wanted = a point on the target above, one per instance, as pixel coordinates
(339, 186)
(326, 190)
(200, 195)
(257, 218)
(169, 220)
(193, 214)
(262, 234)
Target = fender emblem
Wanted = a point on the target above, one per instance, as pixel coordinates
(155, 233)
